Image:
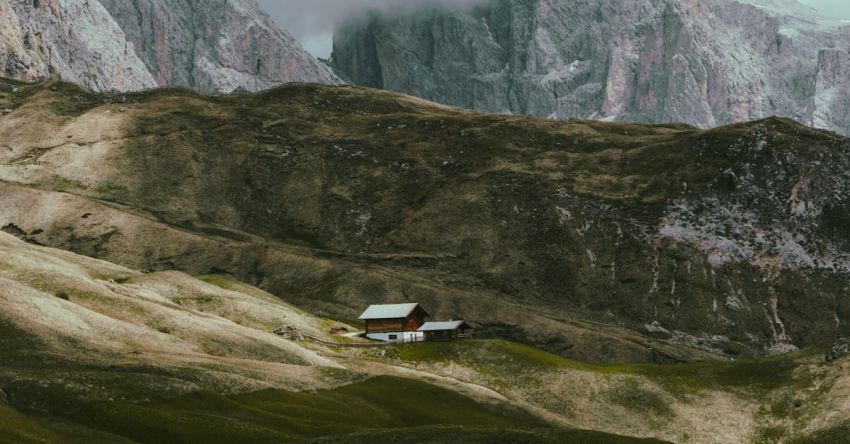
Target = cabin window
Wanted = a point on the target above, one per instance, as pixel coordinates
(393, 336)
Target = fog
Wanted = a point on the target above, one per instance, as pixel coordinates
(831, 8)
(313, 21)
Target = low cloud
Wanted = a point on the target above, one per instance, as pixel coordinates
(313, 21)
(831, 8)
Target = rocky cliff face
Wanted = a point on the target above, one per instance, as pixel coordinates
(215, 45)
(211, 46)
(74, 40)
(703, 62)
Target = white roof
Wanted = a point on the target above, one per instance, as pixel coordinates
(436, 326)
(388, 311)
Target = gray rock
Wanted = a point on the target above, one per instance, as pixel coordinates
(839, 349)
(706, 62)
(214, 46)
(832, 90)
(73, 40)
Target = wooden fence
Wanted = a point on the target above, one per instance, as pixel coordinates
(350, 344)
(298, 335)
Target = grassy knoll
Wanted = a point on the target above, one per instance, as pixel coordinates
(757, 400)
(497, 358)
(382, 407)
(17, 427)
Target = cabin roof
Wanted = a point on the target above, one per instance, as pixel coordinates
(390, 311)
(445, 325)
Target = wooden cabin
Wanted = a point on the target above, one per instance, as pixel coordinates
(448, 330)
(395, 322)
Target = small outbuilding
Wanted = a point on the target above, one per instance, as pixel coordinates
(446, 330)
(395, 322)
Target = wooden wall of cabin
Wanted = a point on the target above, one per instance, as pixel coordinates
(383, 325)
(412, 323)
(415, 319)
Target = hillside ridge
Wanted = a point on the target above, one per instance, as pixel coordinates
(682, 243)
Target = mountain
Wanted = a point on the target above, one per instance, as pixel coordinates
(599, 241)
(215, 45)
(701, 62)
(211, 46)
(77, 41)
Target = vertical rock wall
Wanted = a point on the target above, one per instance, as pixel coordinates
(702, 62)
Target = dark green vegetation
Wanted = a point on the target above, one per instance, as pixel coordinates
(483, 435)
(783, 395)
(16, 427)
(507, 361)
(838, 434)
(379, 408)
(572, 236)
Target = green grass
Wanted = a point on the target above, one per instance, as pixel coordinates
(497, 358)
(482, 435)
(649, 391)
(219, 281)
(59, 183)
(120, 278)
(379, 407)
(342, 339)
(632, 395)
(112, 191)
(836, 434)
(48, 284)
(16, 427)
(196, 301)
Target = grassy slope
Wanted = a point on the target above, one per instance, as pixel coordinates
(64, 387)
(17, 427)
(153, 336)
(383, 407)
(339, 197)
(505, 361)
(760, 400)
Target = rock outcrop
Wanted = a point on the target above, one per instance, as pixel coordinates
(211, 46)
(702, 62)
(215, 45)
(832, 93)
(74, 40)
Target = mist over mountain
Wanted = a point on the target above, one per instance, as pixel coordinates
(833, 8)
(314, 21)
